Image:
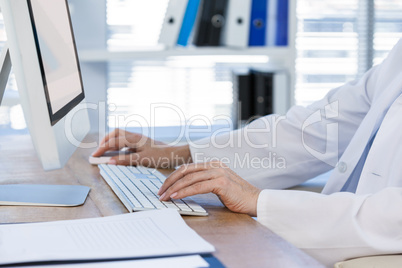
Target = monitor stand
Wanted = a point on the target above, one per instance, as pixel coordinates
(35, 195)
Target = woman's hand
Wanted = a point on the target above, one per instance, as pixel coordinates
(144, 151)
(234, 192)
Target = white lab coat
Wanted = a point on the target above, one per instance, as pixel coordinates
(334, 225)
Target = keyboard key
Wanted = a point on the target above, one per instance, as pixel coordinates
(130, 201)
(159, 176)
(183, 206)
(131, 186)
(118, 192)
(158, 184)
(169, 204)
(158, 204)
(143, 170)
(130, 175)
(133, 170)
(194, 205)
(152, 184)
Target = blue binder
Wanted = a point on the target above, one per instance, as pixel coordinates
(258, 23)
(188, 22)
(282, 23)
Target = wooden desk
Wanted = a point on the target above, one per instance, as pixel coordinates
(240, 241)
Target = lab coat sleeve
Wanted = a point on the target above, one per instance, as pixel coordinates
(282, 151)
(335, 227)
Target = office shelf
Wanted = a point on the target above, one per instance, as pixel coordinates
(160, 53)
(95, 57)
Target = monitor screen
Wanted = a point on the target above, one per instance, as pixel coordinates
(57, 56)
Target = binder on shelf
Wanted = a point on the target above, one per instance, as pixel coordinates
(281, 96)
(271, 91)
(188, 21)
(277, 23)
(172, 22)
(243, 89)
(212, 20)
(261, 92)
(272, 22)
(282, 23)
(258, 23)
(236, 30)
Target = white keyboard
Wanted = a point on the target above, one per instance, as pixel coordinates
(137, 188)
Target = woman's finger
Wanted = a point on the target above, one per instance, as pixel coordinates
(186, 181)
(182, 171)
(102, 148)
(202, 187)
(115, 133)
(125, 160)
(113, 144)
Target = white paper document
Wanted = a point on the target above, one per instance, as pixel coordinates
(135, 235)
(193, 261)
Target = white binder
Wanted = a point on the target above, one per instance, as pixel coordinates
(281, 96)
(272, 22)
(237, 26)
(172, 22)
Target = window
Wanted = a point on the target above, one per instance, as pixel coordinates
(11, 115)
(327, 47)
(338, 40)
(388, 27)
(333, 46)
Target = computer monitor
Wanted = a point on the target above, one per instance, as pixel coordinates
(46, 66)
(44, 58)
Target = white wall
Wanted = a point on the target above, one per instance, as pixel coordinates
(90, 29)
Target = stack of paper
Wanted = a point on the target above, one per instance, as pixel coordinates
(136, 235)
(193, 261)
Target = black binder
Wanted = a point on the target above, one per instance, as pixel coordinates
(242, 85)
(255, 93)
(211, 22)
(263, 92)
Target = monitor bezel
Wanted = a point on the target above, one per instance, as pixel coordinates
(56, 117)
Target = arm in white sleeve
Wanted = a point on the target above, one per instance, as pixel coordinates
(278, 149)
(297, 147)
(335, 227)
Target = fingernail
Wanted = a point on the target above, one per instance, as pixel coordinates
(162, 196)
(112, 162)
(159, 192)
(173, 195)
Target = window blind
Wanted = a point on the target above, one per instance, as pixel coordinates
(387, 27)
(338, 40)
(327, 47)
